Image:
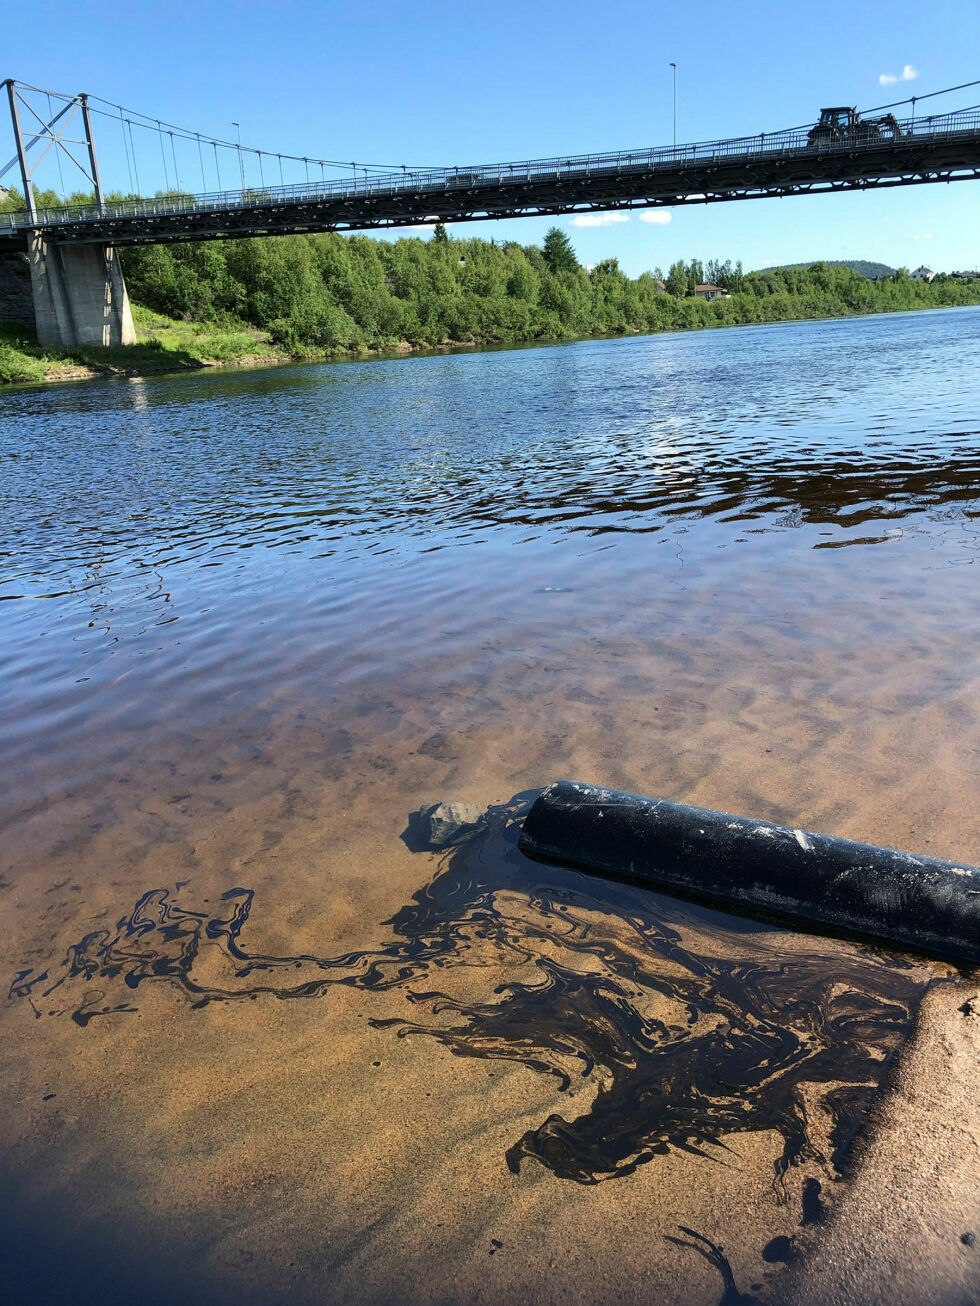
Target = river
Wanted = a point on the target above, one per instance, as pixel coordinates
(259, 1047)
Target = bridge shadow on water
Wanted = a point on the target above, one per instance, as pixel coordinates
(691, 1024)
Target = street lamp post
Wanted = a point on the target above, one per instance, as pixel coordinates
(674, 66)
(241, 160)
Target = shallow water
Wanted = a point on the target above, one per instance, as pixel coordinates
(250, 621)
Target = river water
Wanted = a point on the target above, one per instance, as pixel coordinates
(256, 1046)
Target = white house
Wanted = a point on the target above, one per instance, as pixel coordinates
(923, 274)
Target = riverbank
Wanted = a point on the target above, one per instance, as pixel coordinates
(168, 345)
(312, 298)
(164, 345)
(907, 1231)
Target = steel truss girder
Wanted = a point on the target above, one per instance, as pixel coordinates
(699, 184)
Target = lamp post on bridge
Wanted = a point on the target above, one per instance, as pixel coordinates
(674, 66)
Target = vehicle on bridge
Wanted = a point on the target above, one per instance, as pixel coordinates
(844, 123)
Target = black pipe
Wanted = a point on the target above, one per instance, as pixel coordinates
(760, 869)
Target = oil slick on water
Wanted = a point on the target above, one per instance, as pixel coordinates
(686, 1025)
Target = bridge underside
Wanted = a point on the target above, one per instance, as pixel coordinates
(894, 164)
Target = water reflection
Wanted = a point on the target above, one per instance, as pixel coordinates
(628, 436)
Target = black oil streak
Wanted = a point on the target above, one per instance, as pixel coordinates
(684, 1044)
(813, 1208)
(715, 1257)
(778, 1249)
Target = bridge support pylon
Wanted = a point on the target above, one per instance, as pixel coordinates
(79, 295)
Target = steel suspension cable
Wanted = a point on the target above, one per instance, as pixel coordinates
(163, 156)
(57, 153)
(132, 146)
(930, 95)
(129, 166)
(174, 154)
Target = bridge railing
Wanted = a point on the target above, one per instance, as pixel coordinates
(798, 141)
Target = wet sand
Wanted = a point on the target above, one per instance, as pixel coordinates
(908, 1229)
(269, 1148)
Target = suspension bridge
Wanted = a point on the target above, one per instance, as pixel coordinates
(77, 282)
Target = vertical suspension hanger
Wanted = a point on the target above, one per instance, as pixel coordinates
(57, 154)
(173, 153)
(132, 146)
(163, 154)
(129, 168)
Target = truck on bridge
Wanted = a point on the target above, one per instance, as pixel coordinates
(844, 124)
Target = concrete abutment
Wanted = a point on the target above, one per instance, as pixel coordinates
(79, 295)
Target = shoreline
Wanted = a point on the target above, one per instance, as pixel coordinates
(914, 1179)
(116, 367)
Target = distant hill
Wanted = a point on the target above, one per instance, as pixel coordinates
(866, 267)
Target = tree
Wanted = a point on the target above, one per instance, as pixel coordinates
(695, 275)
(608, 267)
(558, 252)
(721, 274)
(440, 235)
(676, 281)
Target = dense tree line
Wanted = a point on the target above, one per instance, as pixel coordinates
(331, 292)
(337, 293)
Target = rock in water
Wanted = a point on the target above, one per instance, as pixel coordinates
(444, 824)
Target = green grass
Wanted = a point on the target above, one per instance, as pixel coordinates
(163, 345)
(21, 358)
(204, 342)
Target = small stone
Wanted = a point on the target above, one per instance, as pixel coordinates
(968, 1238)
(449, 823)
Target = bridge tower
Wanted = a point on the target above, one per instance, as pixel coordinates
(78, 289)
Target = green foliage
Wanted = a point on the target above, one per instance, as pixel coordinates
(677, 279)
(721, 274)
(20, 358)
(866, 267)
(331, 294)
(163, 346)
(558, 252)
(315, 296)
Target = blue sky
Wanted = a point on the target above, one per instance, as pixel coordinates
(434, 83)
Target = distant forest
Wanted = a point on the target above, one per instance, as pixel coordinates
(866, 267)
(325, 294)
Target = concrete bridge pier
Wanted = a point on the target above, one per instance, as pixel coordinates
(79, 295)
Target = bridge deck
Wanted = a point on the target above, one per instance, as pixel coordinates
(940, 148)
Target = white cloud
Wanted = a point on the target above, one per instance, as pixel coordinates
(659, 217)
(926, 235)
(598, 219)
(908, 74)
